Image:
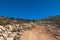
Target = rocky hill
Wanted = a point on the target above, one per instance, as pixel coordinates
(13, 28)
(53, 23)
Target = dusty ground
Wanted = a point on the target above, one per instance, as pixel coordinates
(38, 33)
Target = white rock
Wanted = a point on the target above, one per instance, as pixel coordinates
(0, 30)
(1, 27)
(17, 25)
(1, 38)
(10, 38)
(10, 27)
(27, 25)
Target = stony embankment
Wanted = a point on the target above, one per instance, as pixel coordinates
(13, 32)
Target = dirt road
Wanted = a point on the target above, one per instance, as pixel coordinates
(38, 33)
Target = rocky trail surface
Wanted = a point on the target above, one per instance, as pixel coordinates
(20, 29)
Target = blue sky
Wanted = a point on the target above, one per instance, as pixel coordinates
(29, 9)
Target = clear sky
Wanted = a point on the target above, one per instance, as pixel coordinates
(29, 9)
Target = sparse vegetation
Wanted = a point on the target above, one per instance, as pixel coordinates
(53, 23)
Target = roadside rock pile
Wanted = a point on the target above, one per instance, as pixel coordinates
(13, 32)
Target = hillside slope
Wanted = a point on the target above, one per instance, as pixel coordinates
(13, 28)
(52, 22)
